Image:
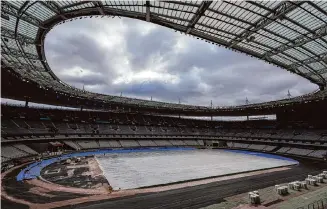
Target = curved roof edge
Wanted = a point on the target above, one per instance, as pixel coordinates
(35, 93)
(263, 27)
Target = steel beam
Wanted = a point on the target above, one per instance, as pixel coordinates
(11, 35)
(295, 22)
(201, 10)
(12, 10)
(321, 71)
(318, 58)
(155, 18)
(171, 9)
(255, 54)
(251, 39)
(8, 8)
(53, 6)
(189, 3)
(299, 41)
(16, 53)
(28, 66)
(75, 4)
(5, 16)
(278, 12)
(99, 7)
(157, 15)
(317, 8)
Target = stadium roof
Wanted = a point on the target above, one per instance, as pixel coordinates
(289, 34)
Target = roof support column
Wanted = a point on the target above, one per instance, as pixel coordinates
(26, 101)
(148, 15)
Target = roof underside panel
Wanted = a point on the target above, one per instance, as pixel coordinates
(291, 35)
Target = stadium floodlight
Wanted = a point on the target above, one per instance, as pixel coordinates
(289, 94)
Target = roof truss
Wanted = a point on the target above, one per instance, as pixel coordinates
(7, 33)
(321, 71)
(253, 29)
(99, 6)
(17, 53)
(279, 12)
(12, 10)
(319, 58)
(299, 41)
(201, 10)
(53, 6)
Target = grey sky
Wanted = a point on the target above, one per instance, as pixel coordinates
(142, 60)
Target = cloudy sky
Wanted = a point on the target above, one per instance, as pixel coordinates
(142, 60)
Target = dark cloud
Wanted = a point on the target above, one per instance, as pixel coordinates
(67, 49)
(143, 60)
